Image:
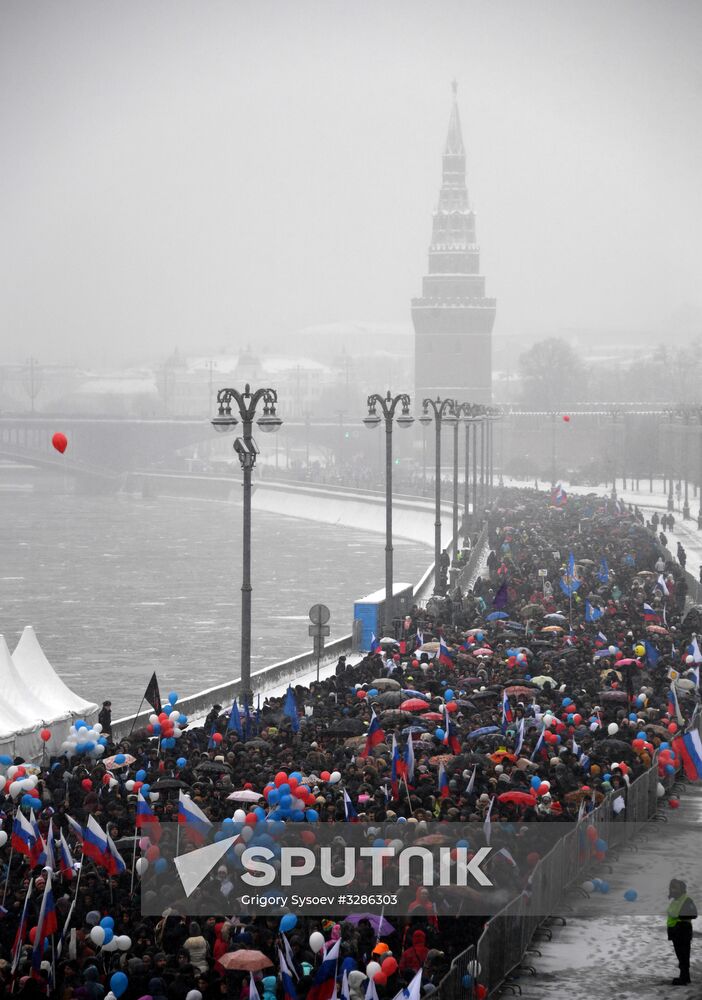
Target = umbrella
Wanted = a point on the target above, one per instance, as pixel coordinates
(442, 758)
(347, 727)
(496, 616)
(613, 746)
(483, 651)
(245, 795)
(579, 794)
(432, 839)
(214, 766)
(258, 743)
(245, 960)
(604, 674)
(387, 641)
(627, 662)
(532, 611)
(515, 626)
(386, 684)
(390, 698)
(395, 715)
(380, 925)
(416, 728)
(478, 695)
(501, 755)
(432, 716)
(645, 572)
(163, 784)
(658, 629)
(586, 562)
(112, 765)
(409, 693)
(429, 647)
(555, 616)
(484, 731)
(519, 689)
(552, 628)
(543, 679)
(414, 705)
(621, 696)
(519, 798)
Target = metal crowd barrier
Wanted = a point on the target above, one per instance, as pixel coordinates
(506, 936)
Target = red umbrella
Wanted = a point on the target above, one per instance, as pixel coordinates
(519, 798)
(414, 705)
(483, 651)
(432, 716)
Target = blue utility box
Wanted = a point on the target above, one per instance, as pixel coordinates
(370, 610)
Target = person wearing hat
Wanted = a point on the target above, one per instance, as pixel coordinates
(681, 912)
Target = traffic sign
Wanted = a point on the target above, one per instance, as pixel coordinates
(320, 614)
(318, 630)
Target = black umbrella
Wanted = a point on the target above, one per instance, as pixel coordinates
(347, 727)
(612, 746)
(164, 784)
(391, 699)
(213, 767)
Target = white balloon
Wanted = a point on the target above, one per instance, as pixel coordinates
(660, 792)
(142, 865)
(474, 969)
(124, 942)
(548, 719)
(246, 834)
(588, 886)
(97, 935)
(3, 838)
(111, 945)
(15, 789)
(372, 969)
(612, 650)
(174, 716)
(613, 729)
(239, 849)
(193, 995)
(334, 777)
(129, 785)
(317, 942)
(99, 750)
(239, 816)
(12, 771)
(97, 728)
(153, 718)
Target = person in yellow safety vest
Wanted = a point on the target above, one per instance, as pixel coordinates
(681, 912)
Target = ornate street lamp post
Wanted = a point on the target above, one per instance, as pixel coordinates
(444, 413)
(388, 405)
(247, 449)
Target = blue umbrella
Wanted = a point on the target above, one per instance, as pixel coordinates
(496, 615)
(414, 694)
(515, 626)
(485, 731)
(413, 729)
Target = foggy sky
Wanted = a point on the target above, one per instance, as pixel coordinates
(198, 175)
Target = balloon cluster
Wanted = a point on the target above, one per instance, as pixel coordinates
(86, 739)
(169, 725)
(289, 799)
(21, 783)
(102, 934)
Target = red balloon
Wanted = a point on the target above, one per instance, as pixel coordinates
(324, 775)
(591, 834)
(60, 442)
(45, 735)
(307, 837)
(389, 966)
(87, 784)
(480, 991)
(566, 418)
(451, 706)
(32, 935)
(672, 727)
(106, 779)
(674, 803)
(280, 778)
(251, 819)
(153, 853)
(361, 694)
(217, 738)
(380, 979)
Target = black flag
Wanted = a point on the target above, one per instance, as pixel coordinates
(152, 693)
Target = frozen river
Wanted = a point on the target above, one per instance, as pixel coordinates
(117, 587)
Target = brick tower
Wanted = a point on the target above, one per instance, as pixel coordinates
(453, 319)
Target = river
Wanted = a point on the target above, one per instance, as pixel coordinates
(117, 587)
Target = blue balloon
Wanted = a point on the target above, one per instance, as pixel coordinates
(607, 776)
(120, 758)
(145, 789)
(463, 843)
(89, 746)
(297, 815)
(108, 922)
(181, 762)
(669, 769)
(118, 983)
(566, 702)
(160, 866)
(102, 741)
(570, 718)
(157, 728)
(467, 981)
(439, 733)
(641, 735)
(173, 697)
(630, 895)
(286, 801)
(140, 775)
(527, 677)
(373, 692)
(311, 815)
(296, 775)
(260, 813)
(221, 835)
(401, 819)
(378, 842)
(182, 720)
(228, 821)
(109, 934)
(604, 887)
(601, 845)
(80, 724)
(448, 694)
(535, 782)
(284, 788)
(287, 922)
(664, 746)
(274, 797)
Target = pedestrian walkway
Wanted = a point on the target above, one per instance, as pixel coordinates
(604, 957)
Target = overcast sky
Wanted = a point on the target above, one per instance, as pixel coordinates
(199, 174)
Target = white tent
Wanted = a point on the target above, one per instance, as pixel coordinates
(33, 696)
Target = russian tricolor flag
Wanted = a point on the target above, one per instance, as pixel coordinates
(114, 860)
(506, 711)
(198, 825)
(47, 924)
(24, 839)
(444, 655)
(289, 991)
(399, 767)
(443, 782)
(65, 858)
(96, 844)
(650, 615)
(450, 739)
(144, 812)
(325, 979)
(689, 748)
(349, 809)
(374, 736)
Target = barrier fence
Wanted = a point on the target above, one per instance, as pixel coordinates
(507, 936)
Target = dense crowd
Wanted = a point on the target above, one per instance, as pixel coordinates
(554, 675)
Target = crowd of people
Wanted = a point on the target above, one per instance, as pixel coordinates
(551, 677)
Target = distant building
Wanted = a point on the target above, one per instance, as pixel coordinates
(453, 319)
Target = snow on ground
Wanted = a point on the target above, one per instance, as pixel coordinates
(600, 956)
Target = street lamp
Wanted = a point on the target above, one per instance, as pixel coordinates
(247, 449)
(388, 405)
(444, 413)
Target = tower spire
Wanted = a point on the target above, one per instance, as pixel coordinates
(454, 139)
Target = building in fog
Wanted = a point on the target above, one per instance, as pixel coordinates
(453, 319)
